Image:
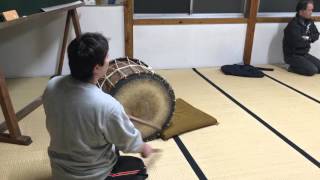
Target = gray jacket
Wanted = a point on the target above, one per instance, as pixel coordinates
(85, 124)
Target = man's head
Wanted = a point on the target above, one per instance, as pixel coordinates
(88, 56)
(305, 8)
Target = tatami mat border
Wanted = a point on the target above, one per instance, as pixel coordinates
(189, 158)
(285, 139)
(292, 88)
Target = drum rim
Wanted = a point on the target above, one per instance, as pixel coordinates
(129, 58)
(166, 85)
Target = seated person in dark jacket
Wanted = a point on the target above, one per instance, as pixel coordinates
(298, 35)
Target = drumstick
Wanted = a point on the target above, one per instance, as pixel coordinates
(155, 156)
(150, 124)
(156, 150)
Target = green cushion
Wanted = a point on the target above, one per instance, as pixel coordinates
(186, 118)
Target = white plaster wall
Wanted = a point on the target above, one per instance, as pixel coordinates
(107, 20)
(31, 48)
(185, 46)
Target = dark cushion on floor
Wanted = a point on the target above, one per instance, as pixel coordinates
(186, 118)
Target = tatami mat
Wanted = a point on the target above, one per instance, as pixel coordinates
(32, 163)
(295, 116)
(27, 162)
(309, 85)
(24, 90)
(169, 164)
(239, 147)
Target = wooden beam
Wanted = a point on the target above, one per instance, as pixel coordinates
(280, 19)
(247, 8)
(273, 19)
(189, 21)
(24, 112)
(252, 15)
(72, 15)
(316, 18)
(64, 43)
(29, 108)
(14, 135)
(35, 16)
(21, 140)
(7, 109)
(76, 23)
(128, 27)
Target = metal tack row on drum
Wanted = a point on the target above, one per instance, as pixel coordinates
(147, 97)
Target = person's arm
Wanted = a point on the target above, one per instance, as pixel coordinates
(121, 132)
(314, 33)
(294, 36)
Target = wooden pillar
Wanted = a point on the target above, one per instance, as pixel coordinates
(251, 15)
(128, 27)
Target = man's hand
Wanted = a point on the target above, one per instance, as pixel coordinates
(307, 38)
(146, 150)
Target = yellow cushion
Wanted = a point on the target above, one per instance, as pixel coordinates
(186, 118)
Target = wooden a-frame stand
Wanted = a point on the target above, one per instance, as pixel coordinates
(11, 118)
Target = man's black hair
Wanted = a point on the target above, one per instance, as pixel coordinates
(84, 53)
(302, 5)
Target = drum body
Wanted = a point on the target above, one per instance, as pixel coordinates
(143, 94)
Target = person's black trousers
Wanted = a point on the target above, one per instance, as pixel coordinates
(307, 65)
(128, 168)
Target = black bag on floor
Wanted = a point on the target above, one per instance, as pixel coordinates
(128, 168)
(242, 70)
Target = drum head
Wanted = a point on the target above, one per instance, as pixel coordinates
(148, 97)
